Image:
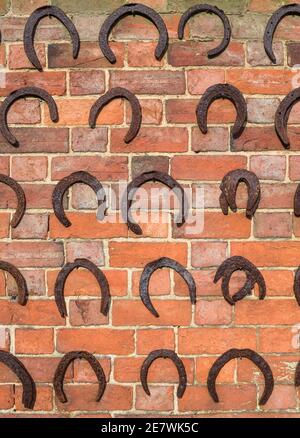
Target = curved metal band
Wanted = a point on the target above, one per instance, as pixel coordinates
(166, 354)
(165, 179)
(19, 94)
(197, 9)
(297, 285)
(64, 184)
(115, 93)
(133, 9)
(21, 207)
(19, 279)
(223, 91)
(164, 262)
(31, 26)
(282, 115)
(297, 201)
(63, 365)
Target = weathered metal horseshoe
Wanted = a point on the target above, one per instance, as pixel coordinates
(235, 353)
(164, 262)
(21, 207)
(19, 94)
(133, 9)
(66, 271)
(297, 285)
(197, 9)
(297, 375)
(63, 366)
(292, 9)
(19, 279)
(297, 202)
(29, 388)
(229, 186)
(30, 29)
(223, 91)
(165, 354)
(143, 178)
(237, 263)
(136, 109)
(282, 115)
(64, 184)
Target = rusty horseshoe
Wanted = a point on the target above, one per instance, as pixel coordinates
(229, 186)
(197, 9)
(292, 9)
(19, 279)
(64, 184)
(29, 388)
(133, 9)
(297, 202)
(66, 271)
(297, 285)
(136, 109)
(297, 375)
(21, 206)
(164, 262)
(165, 354)
(282, 115)
(63, 365)
(143, 178)
(19, 94)
(235, 353)
(223, 91)
(31, 26)
(238, 263)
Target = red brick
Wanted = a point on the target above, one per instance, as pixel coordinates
(152, 111)
(141, 54)
(161, 398)
(52, 81)
(266, 6)
(4, 339)
(4, 225)
(86, 312)
(25, 111)
(35, 279)
(277, 195)
(160, 283)
(18, 58)
(204, 364)
(154, 339)
(140, 164)
(23, 7)
(43, 399)
(267, 312)
(279, 283)
(83, 372)
(279, 339)
(215, 312)
(32, 254)
(7, 398)
(34, 341)
(198, 80)
(36, 312)
(216, 139)
(268, 167)
(273, 225)
(283, 397)
(85, 249)
(257, 57)
(184, 111)
(264, 138)
(89, 140)
(32, 226)
(87, 82)
(29, 168)
(208, 254)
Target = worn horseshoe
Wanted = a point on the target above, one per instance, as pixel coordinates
(31, 26)
(165, 354)
(223, 91)
(165, 179)
(29, 388)
(164, 262)
(235, 353)
(64, 184)
(19, 279)
(297, 285)
(297, 202)
(66, 271)
(19, 94)
(21, 207)
(237, 263)
(197, 9)
(133, 9)
(229, 186)
(136, 109)
(63, 365)
(297, 375)
(282, 115)
(292, 9)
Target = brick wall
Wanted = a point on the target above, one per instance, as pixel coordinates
(169, 140)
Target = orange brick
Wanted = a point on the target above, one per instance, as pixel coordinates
(34, 341)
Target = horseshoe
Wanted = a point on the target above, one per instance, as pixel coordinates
(297, 286)
(21, 207)
(229, 188)
(164, 262)
(143, 178)
(19, 279)
(29, 389)
(30, 29)
(136, 109)
(66, 271)
(63, 366)
(292, 9)
(282, 115)
(64, 184)
(197, 9)
(235, 353)
(133, 9)
(237, 263)
(297, 202)
(223, 91)
(165, 354)
(19, 94)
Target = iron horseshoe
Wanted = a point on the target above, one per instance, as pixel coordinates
(19, 279)
(297, 285)
(21, 207)
(297, 202)
(282, 115)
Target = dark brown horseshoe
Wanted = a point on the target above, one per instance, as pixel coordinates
(62, 367)
(297, 375)
(297, 285)
(136, 109)
(165, 179)
(165, 354)
(64, 184)
(19, 94)
(66, 271)
(197, 9)
(297, 202)
(235, 353)
(133, 9)
(237, 263)
(21, 207)
(164, 262)
(292, 9)
(223, 91)
(282, 115)
(19, 279)
(29, 389)
(30, 29)
(229, 186)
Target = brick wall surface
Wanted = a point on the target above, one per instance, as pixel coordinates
(171, 141)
